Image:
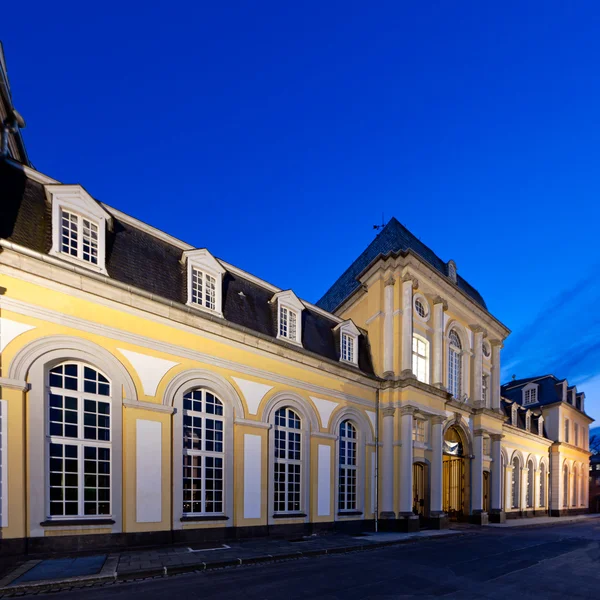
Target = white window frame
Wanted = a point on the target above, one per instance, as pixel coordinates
(76, 201)
(530, 489)
(420, 298)
(290, 302)
(421, 362)
(3, 463)
(349, 467)
(420, 437)
(515, 491)
(542, 483)
(576, 434)
(80, 442)
(455, 366)
(287, 462)
(349, 330)
(204, 263)
(567, 431)
(530, 394)
(203, 453)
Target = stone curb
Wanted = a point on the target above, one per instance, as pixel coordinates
(532, 525)
(164, 571)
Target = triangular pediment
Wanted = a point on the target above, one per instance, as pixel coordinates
(74, 196)
(202, 258)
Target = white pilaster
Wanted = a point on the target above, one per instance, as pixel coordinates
(478, 335)
(437, 482)
(477, 472)
(408, 284)
(406, 461)
(388, 328)
(536, 489)
(387, 496)
(497, 474)
(439, 306)
(508, 488)
(495, 392)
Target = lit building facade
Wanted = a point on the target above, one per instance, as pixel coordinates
(152, 393)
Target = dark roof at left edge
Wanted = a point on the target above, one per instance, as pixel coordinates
(136, 257)
(6, 108)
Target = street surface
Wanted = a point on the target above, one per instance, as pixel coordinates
(550, 562)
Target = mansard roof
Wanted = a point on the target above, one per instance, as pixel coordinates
(549, 391)
(393, 238)
(145, 259)
(507, 405)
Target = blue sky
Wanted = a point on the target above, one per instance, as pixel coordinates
(276, 134)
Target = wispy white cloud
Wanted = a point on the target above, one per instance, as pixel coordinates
(563, 339)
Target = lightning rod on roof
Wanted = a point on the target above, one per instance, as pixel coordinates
(380, 227)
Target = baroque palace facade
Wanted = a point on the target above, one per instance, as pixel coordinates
(152, 393)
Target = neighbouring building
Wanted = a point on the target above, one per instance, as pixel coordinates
(594, 490)
(153, 393)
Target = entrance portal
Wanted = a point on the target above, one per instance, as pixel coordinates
(419, 499)
(454, 474)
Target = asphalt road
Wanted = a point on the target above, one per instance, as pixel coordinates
(550, 562)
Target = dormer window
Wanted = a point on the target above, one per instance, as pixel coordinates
(289, 316)
(452, 271)
(513, 415)
(204, 281)
(530, 394)
(78, 226)
(348, 341)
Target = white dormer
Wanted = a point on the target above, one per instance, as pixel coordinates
(204, 281)
(348, 341)
(78, 226)
(530, 394)
(289, 316)
(513, 415)
(540, 425)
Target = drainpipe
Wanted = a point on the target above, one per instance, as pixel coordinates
(376, 460)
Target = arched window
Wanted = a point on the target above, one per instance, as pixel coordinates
(203, 451)
(516, 481)
(530, 484)
(454, 364)
(288, 461)
(543, 477)
(79, 442)
(565, 485)
(574, 487)
(582, 476)
(347, 467)
(420, 358)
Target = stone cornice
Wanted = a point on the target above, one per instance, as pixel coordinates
(14, 384)
(415, 383)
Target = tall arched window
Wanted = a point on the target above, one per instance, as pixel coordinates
(582, 478)
(203, 453)
(454, 364)
(543, 477)
(79, 442)
(574, 487)
(420, 358)
(565, 485)
(347, 467)
(287, 476)
(516, 482)
(530, 484)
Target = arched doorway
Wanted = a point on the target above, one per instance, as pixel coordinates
(486, 491)
(454, 474)
(420, 478)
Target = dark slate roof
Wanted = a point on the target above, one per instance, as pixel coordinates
(549, 391)
(138, 258)
(393, 238)
(521, 417)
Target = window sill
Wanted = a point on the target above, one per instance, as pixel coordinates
(76, 522)
(200, 518)
(289, 341)
(84, 264)
(350, 513)
(296, 515)
(208, 311)
(350, 363)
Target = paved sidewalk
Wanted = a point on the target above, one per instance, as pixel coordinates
(49, 575)
(533, 521)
